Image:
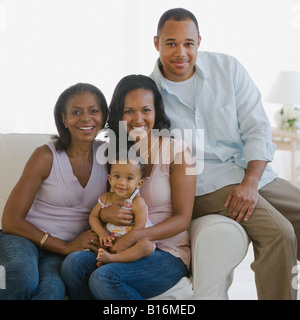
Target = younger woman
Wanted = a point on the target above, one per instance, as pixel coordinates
(169, 193)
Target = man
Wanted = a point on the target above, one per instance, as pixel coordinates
(211, 91)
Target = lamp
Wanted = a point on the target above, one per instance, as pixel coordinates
(286, 91)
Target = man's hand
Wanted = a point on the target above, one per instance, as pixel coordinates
(241, 202)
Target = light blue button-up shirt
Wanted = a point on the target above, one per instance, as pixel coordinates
(229, 110)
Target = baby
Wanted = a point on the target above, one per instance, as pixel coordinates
(125, 179)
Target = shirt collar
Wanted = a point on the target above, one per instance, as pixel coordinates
(200, 67)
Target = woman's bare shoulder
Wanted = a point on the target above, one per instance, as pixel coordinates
(41, 160)
(43, 153)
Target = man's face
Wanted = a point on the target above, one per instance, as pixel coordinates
(178, 44)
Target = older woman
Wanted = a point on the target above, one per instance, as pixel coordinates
(168, 192)
(46, 215)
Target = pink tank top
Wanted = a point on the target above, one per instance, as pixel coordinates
(156, 191)
(62, 206)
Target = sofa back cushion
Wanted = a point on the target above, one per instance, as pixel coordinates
(15, 150)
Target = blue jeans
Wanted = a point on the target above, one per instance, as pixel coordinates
(142, 279)
(29, 272)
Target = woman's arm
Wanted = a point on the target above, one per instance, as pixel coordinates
(22, 196)
(183, 193)
(116, 215)
(139, 209)
(21, 199)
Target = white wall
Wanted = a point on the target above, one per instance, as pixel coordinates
(46, 46)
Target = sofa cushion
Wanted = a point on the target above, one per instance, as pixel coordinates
(15, 150)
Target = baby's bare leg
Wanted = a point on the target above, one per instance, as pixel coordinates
(141, 249)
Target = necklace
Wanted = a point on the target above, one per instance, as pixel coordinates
(145, 155)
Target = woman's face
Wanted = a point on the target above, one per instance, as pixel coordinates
(83, 116)
(139, 113)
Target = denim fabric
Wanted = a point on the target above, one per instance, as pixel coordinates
(75, 271)
(29, 272)
(142, 279)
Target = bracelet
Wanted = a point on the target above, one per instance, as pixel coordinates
(43, 240)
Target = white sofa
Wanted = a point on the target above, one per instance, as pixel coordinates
(218, 243)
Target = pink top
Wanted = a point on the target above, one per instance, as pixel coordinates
(62, 206)
(156, 191)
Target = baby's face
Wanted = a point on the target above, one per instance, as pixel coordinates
(125, 178)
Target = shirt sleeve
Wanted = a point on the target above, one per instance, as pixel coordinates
(254, 125)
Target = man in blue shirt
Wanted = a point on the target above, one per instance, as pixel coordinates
(213, 92)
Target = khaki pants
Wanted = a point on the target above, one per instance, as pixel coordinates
(274, 229)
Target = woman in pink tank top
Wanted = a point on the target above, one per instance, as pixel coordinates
(46, 215)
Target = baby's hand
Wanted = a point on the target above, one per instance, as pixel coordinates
(106, 240)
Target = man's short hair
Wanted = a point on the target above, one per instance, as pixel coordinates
(177, 14)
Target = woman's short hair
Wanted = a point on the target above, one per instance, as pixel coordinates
(130, 83)
(63, 139)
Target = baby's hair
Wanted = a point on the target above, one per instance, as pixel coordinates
(123, 157)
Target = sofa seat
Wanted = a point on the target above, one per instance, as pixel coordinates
(218, 243)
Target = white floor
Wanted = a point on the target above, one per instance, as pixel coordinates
(243, 286)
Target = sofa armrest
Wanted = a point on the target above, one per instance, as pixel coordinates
(218, 245)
